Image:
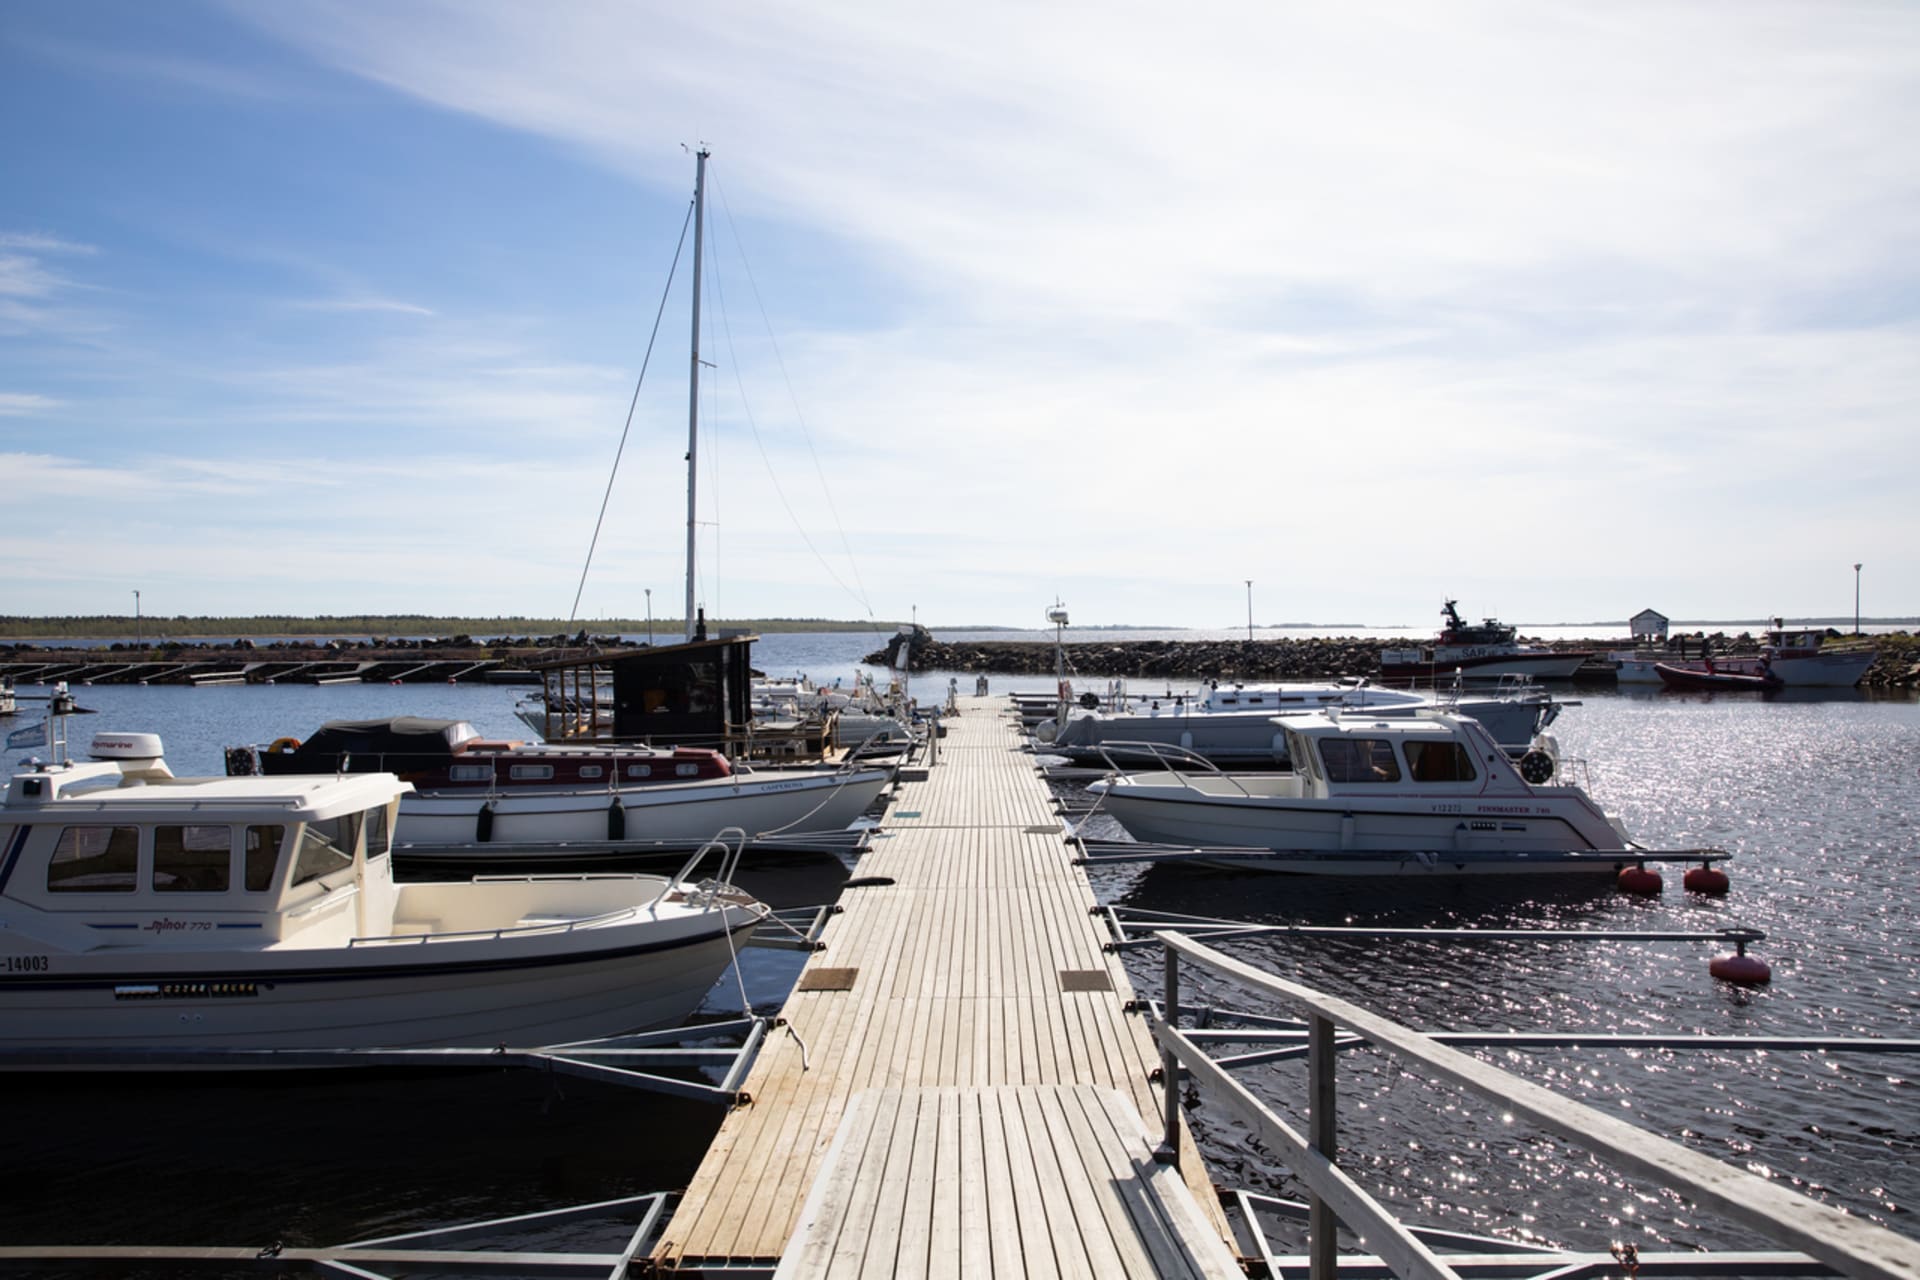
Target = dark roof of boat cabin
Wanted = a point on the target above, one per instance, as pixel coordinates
(393, 736)
(649, 655)
(401, 726)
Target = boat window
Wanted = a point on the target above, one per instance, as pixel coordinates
(1359, 760)
(469, 772)
(192, 859)
(686, 770)
(95, 860)
(325, 847)
(591, 771)
(1439, 761)
(377, 838)
(531, 771)
(639, 771)
(261, 855)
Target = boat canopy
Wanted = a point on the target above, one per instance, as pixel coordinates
(398, 744)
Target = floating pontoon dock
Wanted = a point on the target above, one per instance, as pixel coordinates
(960, 1089)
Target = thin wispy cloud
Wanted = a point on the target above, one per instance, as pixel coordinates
(388, 305)
(178, 72)
(1102, 299)
(15, 404)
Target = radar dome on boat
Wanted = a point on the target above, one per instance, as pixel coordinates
(126, 746)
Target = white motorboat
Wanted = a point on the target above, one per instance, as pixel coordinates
(1636, 666)
(8, 702)
(862, 719)
(1485, 651)
(1233, 725)
(1800, 657)
(1430, 794)
(509, 800)
(144, 912)
(1797, 657)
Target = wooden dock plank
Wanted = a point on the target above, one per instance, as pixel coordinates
(958, 989)
(1054, 1181)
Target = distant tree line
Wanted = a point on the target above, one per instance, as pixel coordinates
(184, 627)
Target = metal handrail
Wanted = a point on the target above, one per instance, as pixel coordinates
(729, 861)
(1842, 1241)
(1165, 754)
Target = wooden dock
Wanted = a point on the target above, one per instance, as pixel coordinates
(963, 1090)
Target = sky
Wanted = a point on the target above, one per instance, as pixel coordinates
(1562, 310)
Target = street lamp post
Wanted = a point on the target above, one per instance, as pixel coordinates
(1856, 599)
(139, 640)
(649, 591)
(1249, 608)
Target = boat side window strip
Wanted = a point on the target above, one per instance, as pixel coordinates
(95, 860)
(1359, 760)
(192, 859)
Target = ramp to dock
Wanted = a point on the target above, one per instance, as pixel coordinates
(965, 976)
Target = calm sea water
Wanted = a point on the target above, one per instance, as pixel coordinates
(1815, 797)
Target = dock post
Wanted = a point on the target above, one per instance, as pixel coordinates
(1323, 1226)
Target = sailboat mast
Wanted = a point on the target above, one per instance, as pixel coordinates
(693, 382)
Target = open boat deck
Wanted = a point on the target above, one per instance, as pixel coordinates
(964, 1091)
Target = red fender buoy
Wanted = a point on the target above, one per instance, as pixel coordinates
(1639, 880)
(1743, 969)
(1705, 880)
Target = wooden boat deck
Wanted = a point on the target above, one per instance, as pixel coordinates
(972, 985)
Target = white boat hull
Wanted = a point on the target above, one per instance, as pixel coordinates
(1383, 836)
(1545, 665)
(1823, 671)
(1819, 671)
(542, 986)
(1636, 670)
(1252, 739)
(761, 804)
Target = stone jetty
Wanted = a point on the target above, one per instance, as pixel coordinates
(1898, 666)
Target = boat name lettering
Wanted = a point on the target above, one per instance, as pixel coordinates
(166, 924)
(1508, 808)
(27, 964)
(784, 786)
(1446, 808)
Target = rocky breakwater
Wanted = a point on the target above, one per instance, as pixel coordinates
(1258, 660)
(1898, 666)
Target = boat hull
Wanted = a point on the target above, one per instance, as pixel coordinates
(1388, 836)
(1824, 671)
(761, 804)
(1251, 739)
(1674, 677)
(1544, 665)
(396, 993)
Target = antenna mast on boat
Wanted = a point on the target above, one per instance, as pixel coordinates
(693, 382)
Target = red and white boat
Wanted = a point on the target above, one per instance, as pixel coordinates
(1484, 652)
(484, 794)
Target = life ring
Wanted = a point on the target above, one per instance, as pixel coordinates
(1536, 767)
(283, 746)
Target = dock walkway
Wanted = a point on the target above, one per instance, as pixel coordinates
(963, 1090)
